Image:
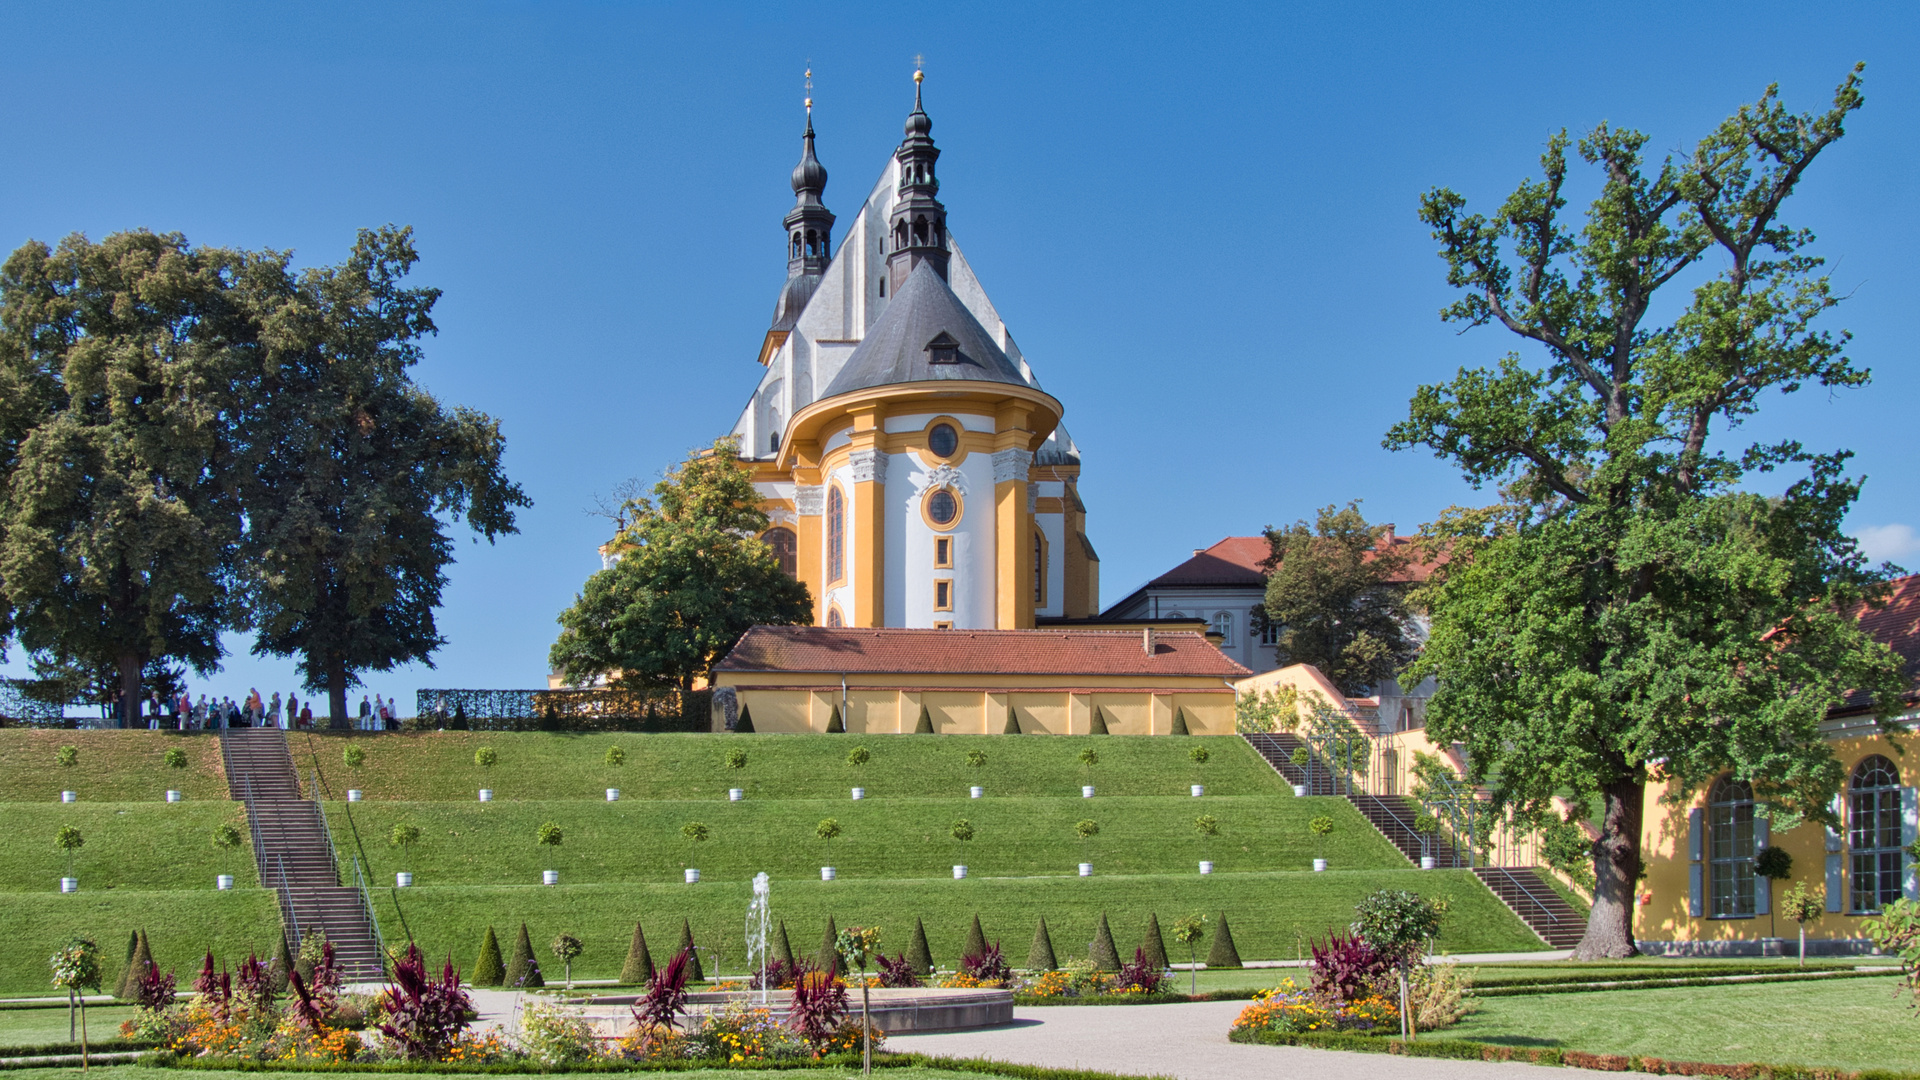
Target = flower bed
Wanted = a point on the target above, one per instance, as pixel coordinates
(1290, 1010)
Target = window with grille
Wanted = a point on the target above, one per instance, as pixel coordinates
(836, 535)
(1223, 625)
(785, 547)
(1730, 849)
(1873, 835)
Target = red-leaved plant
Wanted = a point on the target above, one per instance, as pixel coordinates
(1346, 969)
(304, 1008)
(819, 1008)
(423, 1016)
(255, 985)
(898, 972)
(1139, 975)
(666, 996)
(778, 974)
(156, 990)
(988, 966)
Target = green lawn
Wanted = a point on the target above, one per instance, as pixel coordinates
(1846, 1023)
(439, 765)
(114, 766)
(38, 1027)
(143, 845)
(1271, 914)
(180, 925)
(475, 843)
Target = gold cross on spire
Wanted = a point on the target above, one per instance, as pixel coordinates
(809, 87)
(917, 73)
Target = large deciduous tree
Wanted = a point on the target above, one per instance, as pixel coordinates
(691, 577)
(1637, 615)
(1338, 596)
(353, 472)
(122, 365)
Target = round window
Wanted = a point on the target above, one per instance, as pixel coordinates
(942, 507)
(943, 440)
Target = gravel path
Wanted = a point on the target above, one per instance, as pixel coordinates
(1187, 1041)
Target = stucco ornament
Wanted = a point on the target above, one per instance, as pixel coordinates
(1011, 464)
(940, 476)
(809, 499)
(782, 516)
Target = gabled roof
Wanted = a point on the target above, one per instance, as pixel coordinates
(895, 349)
(1897, 626)
(853, 650)
(1233, 561)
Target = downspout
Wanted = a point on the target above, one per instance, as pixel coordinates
(843, 699)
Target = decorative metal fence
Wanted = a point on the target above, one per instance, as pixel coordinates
(564, 710)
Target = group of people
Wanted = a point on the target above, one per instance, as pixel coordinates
(185, 714)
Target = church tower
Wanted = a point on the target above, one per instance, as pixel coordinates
(915, 473)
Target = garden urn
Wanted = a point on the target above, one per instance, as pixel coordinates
(693, 876)
(859, 793)
(354, 794)
(173, 796)
(549, 877)
(1199, 790)
(827, 873)
(1206, 866)
(976, 791)
(1319, 865)
(486, 794)
(402, 879)
(1086, 791)
(613, 794)
(69, 884)
(223, 882)
(735, 794)
(1086, 869)
(959, 872)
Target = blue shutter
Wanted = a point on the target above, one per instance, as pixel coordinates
(1834, 896)
(1696, 879)
(1839, 814)
(1909, 832)
(1762, 887)
(1696, 835)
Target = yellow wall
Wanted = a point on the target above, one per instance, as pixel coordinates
(977, 705)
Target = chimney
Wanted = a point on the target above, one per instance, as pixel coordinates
(1146, 639)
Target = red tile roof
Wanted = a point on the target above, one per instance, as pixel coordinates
(975, 652)
(1237, 560)
(1897, 625)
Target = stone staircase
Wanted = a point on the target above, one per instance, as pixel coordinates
(295, 853)
(1523, 889)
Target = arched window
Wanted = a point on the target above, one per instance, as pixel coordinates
(836, 535)
(796, 247)
(833, 617)
(1039, 570)
(1223, 625)
(1730, 849)
(920, 230)
(786, 548)
(1873, 834)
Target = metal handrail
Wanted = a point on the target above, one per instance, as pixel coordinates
(286, 901)
(366, 906)
(1514, 880)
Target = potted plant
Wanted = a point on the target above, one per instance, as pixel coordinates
(1089, 757)
(354, 756)
(1188, 932)
(1301, 760)
(486, 759)
(857, 757)
(1426, 825)
(550, 835)
(736, 761)
(615, 757)
(1208, 827)
(404, 836)
(962, 831)
(1771, 865)
(696, 834)
(1086, 830)
(174, 758)
(1803, 906)
(976, 759)
(567, 947)
(1198, 754)
(826, 831)
(69, 840)
(1321, 827)
(67, 757)
(226, 836)
(856, 945)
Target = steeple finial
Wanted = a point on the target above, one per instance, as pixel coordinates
(809, 99)
(809, 227)
(918, 223)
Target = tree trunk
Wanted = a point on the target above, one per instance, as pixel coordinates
(337, 695)
(130, 665)
(1616, 866)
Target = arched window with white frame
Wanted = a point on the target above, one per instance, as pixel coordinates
(1730, 849)
(1873, 835)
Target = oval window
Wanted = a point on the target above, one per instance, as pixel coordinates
(942, 507)
(943, 440)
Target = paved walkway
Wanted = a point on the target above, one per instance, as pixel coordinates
(1189, 1042)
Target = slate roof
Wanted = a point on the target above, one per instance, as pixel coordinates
(1897, 625)
(895, 350)
(854, 650)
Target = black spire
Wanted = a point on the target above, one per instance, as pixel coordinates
(809, 227)
(917, 232)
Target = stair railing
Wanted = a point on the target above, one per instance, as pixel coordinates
(1514, 880)
(366, 911)
(286, 903)
(366, 899)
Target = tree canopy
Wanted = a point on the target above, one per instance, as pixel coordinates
(1635, 613)
(1338, 597)
(691, 576)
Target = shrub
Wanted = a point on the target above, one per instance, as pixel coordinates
(1300, 757)
(175, 758)
(1102, 952)
(827, 957)
(70, 840)
(694, 970)
(1346, 969)
(1396, 924)
(1040, 954)
(1321, 827)
(551, 834)
(254, 983)
(778, 974)
(987, 967)
(154, 991)
(918, 954)
(782, 947)
(1207, 826)
(1199, 754)
(523, 970)
(898, 973)
(616, 756)
(485, 757)
(1140, 976)
(488, 969)
(1153, 946)
(423, 1016)
(639, 964)
(859, 755)
(139, 957)
(962, 829)
(67, 756)
(354, 756)
(1222, 954)
(736, 759)
(1086, 829)
(1773, 863)
(555, 1035)
(976, 758)
(1439, 995)
(666, 997)
(827, 829)
(283, 963)
(818, 1010)
(459, 721)
(227, 835)
(695, 831)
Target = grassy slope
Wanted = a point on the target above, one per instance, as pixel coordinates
(439, 766)
(629, 841)
(181, 926)
(128, 845)
(114, 766)
(39, 1027)
(1847, 1023)
(1269, 913)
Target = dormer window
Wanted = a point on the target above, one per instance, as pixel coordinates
(943, 349)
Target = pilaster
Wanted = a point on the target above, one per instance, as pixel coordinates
(868, 466)
(1013, 518)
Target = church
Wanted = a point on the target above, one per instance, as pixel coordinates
(915, 473)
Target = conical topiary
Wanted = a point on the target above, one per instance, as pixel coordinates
(694, 971)
(523, 970)
(1040, 953)
(639, 966)
(1180, 721)
(137, 965)
(488, 970)
(1154, 945)
(828, 958)
(835, 725)
(283, 964)
(1013, 722)
(1104, 956)
(782, 950)
(1223, 954)
(918, 954)
(123, 988)
(1099, 725)
(744, 725)
(976, 940)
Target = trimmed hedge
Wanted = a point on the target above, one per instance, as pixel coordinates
(488, 968)
(639, 965)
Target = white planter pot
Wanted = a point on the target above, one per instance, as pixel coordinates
(486, 794)
(1086, 791)
(69, 884)
(549, 877)
(1206, 866)
(859, 793)
(1319, 865)
(827, 873)
(402, 879)
(223, 882)
(1086, 869)
(69, 796)
(613, 794)
(1199, 790)
(959, 872)
(354, 794)
(692, 875)
(173, 796)
(976, 791)
(1426, 862)
(735, 794)
(1299, 791)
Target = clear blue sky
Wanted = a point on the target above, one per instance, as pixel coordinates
(1198, 221)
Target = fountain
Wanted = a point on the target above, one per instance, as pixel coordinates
(758, 922)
